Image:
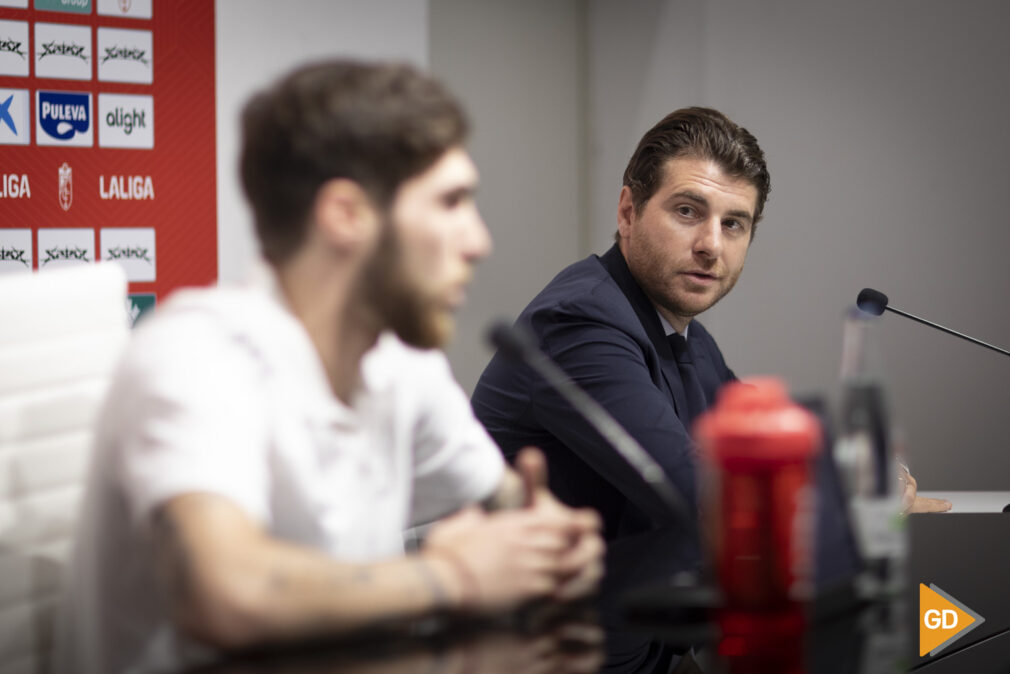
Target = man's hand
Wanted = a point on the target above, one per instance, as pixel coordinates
(504, 558)
(911, 502)
(581, 563)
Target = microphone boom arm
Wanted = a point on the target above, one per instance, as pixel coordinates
(948, 331)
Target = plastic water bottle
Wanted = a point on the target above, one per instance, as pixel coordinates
(868, 458)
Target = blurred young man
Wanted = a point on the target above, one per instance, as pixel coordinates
(261, 452)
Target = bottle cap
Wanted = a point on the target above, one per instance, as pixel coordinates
(755, 421)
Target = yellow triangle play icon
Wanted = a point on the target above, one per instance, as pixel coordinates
(942, 620)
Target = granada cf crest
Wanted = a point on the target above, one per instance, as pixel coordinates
(125, 5)
(66, 186)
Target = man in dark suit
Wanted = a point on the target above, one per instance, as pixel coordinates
(621, 325)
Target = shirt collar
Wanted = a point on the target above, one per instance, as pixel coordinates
(669, 329)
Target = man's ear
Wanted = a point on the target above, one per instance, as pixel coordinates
(344, 215)
(625, 212)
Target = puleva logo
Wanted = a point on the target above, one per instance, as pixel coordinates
(942, 620)
(64, 118)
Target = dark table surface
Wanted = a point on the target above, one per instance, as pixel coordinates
(965, 555)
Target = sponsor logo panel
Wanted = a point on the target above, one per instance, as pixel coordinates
(125, 121)
(15, 250)
(62, 51)
(64, 118)
(15, 120)
(133, 9)
(138, 305)
(66, 186)
(75, 6)
(125, 187)
(23, 4)
(15, 58)
(15, 186)
(125, 56)
(133, 249)
(65, 247)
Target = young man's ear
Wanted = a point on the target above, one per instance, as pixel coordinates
(344, 215)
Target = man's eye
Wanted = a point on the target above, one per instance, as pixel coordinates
(686, 211)
(454, 199)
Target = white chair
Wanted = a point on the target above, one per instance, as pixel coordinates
(61, 332)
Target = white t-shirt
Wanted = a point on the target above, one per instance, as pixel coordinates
(222, 391)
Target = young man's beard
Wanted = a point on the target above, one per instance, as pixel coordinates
(396, 300)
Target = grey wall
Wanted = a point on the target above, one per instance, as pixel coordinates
(259, 40)
(884, 124)
(885, 127)
(518, 67)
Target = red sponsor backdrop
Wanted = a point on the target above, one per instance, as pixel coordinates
(181, 165)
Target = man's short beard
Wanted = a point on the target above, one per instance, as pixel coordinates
(398, 304)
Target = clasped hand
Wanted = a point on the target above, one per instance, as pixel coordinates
(542, 550)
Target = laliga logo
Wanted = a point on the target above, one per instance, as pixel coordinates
(66, 186)
(942, 620)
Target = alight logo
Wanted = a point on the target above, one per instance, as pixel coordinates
(75, 6)
(942, 620)
(65, 247)
(133, 9)
(125, 121)
(133, 248)
(14, 59)
(63, 51)
(64, 118)
(15, 249)
(15, 125)
(125, 55)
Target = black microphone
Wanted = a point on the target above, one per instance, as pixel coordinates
(518, 344)
(875, 302)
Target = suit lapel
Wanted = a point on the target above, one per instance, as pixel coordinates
(613, 261)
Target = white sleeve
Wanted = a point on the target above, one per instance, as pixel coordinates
(192, 418)
(455, 461)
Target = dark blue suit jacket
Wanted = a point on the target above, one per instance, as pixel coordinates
(596, 322)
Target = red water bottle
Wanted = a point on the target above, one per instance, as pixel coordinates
(758, 505)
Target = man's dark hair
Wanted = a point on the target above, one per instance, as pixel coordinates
(702, 133)
(375, 124)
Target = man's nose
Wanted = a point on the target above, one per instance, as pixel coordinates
(477, 242)
(709, 240)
